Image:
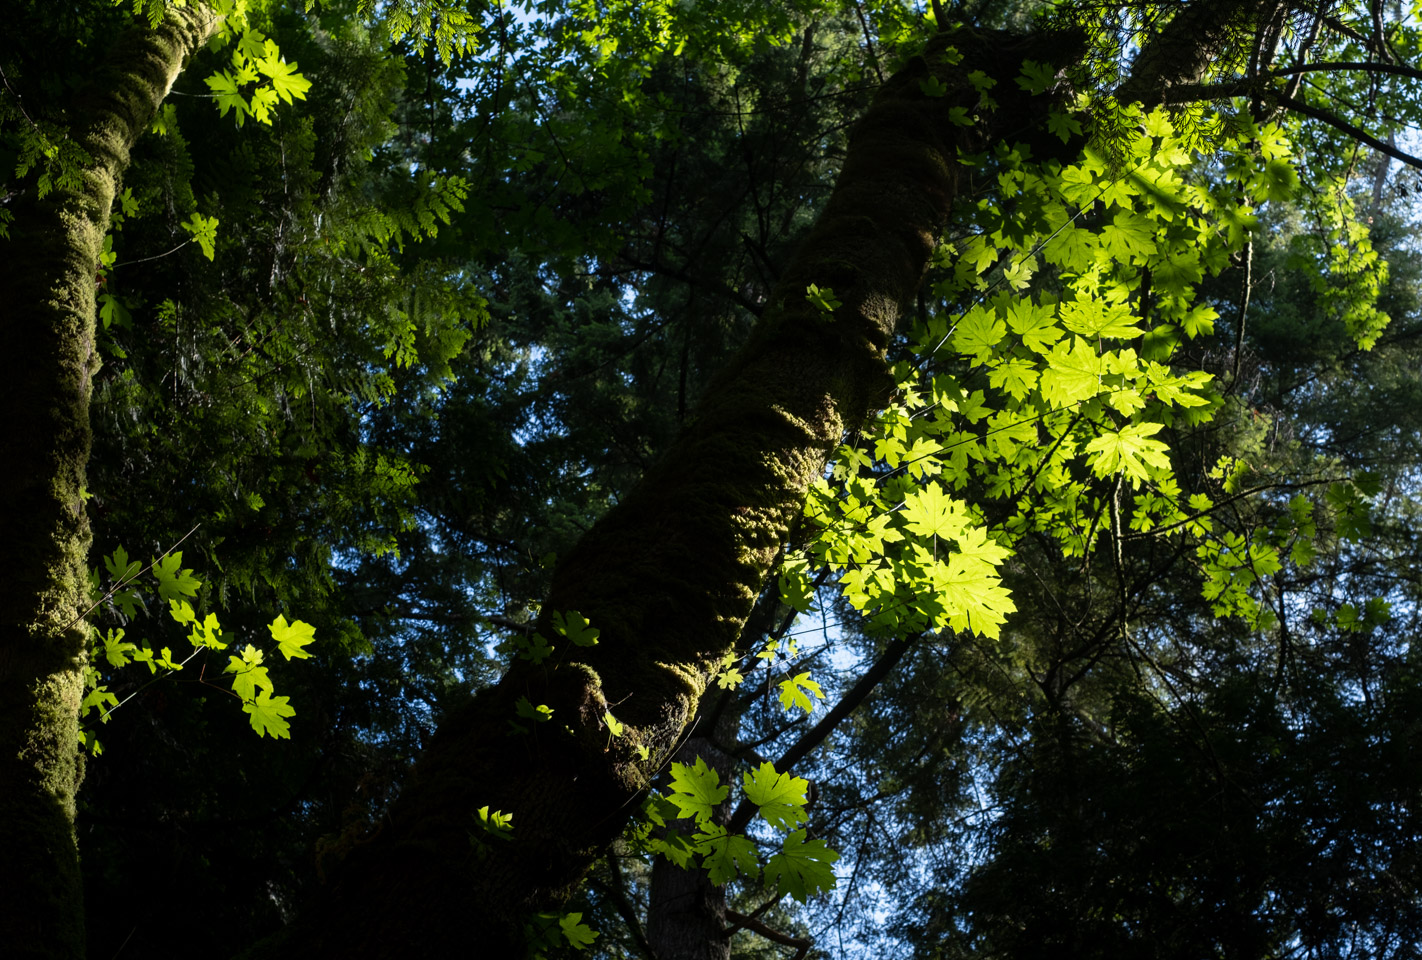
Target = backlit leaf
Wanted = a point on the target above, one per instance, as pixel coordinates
(793, 692)
(802, 868)
(780, 797)
(697, 790)
(292, 638)
(268, 715)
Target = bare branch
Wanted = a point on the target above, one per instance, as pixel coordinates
(769, 933)
(1370, 66)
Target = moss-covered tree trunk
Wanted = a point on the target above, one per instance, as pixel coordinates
(48, 274)
(670, 576)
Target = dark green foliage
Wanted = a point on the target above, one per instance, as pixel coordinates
(458, 308)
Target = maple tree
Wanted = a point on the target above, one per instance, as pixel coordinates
(907, 456)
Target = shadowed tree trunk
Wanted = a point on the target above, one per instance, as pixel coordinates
(670, 575)
(48, 272)
(686, 912)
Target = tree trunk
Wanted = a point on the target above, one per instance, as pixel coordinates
(1199, 35)
(671, 574)
(686, 912)
(48, 273)
(668, 577)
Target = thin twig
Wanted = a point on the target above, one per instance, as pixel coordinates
(125, 582)
(156, 256)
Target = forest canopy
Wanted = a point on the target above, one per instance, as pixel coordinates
(671, 480)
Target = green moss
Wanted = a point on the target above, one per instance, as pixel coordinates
(48, 271)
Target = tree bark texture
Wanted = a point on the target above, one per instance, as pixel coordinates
(48, 273)
(1197, 37)
(671, 574)
(686, 912)
(668, 577)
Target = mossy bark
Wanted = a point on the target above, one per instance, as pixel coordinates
(671, 574)
(1196, 38)
(48, 273)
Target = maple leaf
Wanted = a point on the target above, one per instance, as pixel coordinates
(182, 612)
(1018, 274)
(697, 790)
(535, 648)
(120, 567)
(577, 933)
(250, 675)
(780, 797)
(802, 868)
(253, 43)
(292, 638)
(576, 628)
(1073, 374)
(207, 633)
(1035, 77)
(1071, 248)
(657, 809)
(268, 715)
(1018, 377)
(972, 594)
(1175, 275)
(112, 311)
(1078, 185)
(116, 649)
(1130, 451)
(1093, 318)
(1129, 237)
(796, 588)
(932, 513)
(978, 331)
(675, 846)
(99, 699)
(173, 581)
(287, 83)
(727, 854)
(730, 678)
(980, 254)
(204, 231)
(1035, 323)
(497, 823)
(1157, 124)
(263, 99)
(1063, 125)
(224, 90)
(974, 543)
(792, 692)
(526, 709)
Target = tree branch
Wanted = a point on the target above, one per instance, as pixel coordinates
(770, 933)
(1191, 92)
(816, 735)
(617, 892)
(1363, 65)
(1338, 123)
(1184, 50)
